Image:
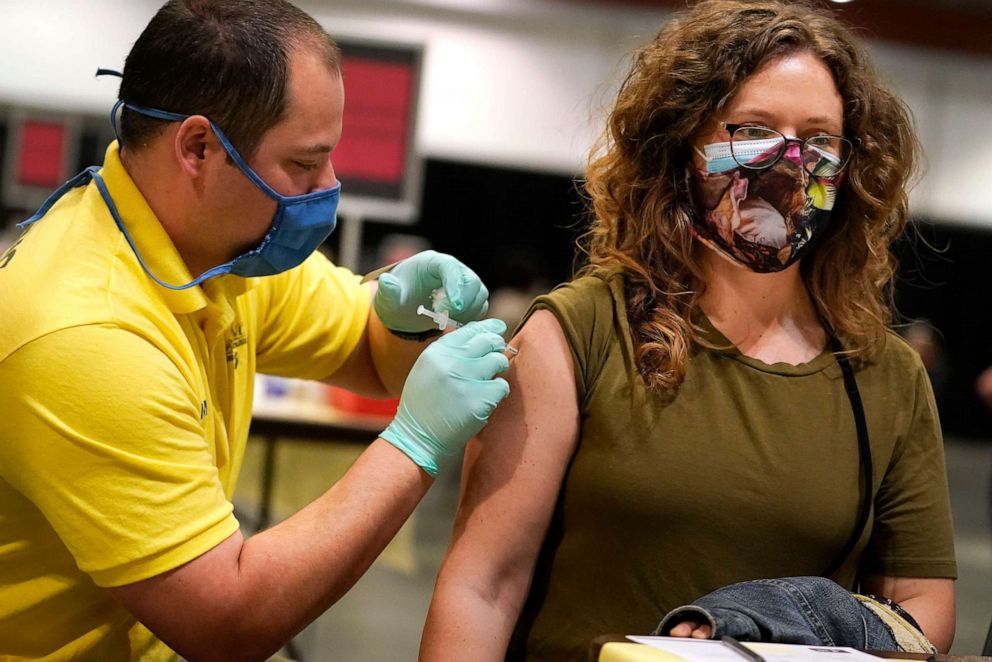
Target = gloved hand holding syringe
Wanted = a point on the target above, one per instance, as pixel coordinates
(442, 319)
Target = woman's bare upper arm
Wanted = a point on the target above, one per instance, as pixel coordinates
(514, 468)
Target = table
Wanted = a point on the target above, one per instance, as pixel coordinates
(294, 420)
(617, 648)
(291, 420)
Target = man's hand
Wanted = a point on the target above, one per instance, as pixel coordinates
(410, 284)
(450, 393)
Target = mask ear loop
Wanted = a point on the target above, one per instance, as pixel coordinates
(113, 119)
(117, 106)
(683, 201)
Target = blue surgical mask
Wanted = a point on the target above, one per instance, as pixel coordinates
(301, 222)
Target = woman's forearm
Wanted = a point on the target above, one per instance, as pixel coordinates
(936, 620)
(930, 601)
(462, 624)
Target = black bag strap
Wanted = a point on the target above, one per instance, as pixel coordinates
(864, 453)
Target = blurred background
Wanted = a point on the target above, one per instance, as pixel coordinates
(466, 130)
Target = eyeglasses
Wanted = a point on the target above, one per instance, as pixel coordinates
(759, 147)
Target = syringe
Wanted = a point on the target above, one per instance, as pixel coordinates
(441, 319)
(443, 322)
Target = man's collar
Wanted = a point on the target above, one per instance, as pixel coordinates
(153, 242)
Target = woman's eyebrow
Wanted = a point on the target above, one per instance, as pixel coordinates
(820, 119)
(769, 118)
(756, 112)
(764, 114)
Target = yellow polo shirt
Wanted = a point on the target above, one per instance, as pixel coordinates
(125, 409)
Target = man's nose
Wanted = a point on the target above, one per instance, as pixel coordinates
(327, 178)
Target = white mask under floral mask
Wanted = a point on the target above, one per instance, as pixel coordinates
(765, 219)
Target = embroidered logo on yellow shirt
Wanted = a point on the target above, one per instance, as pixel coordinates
(236, 339)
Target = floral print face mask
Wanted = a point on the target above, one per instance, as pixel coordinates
(763, 219)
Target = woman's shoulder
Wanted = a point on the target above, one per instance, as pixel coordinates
(897, 353)
(587, 305)
(588, 310)
(590, 289)
(894, 368)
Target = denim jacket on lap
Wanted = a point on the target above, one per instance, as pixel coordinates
(813, 611)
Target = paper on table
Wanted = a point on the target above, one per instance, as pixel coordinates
(712, 650)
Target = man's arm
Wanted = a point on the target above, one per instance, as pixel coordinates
(379, 364)
(245, 598)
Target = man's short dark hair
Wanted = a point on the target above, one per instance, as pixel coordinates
(225, 59)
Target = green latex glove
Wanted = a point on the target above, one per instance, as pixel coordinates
(450, 393)
(410, 283)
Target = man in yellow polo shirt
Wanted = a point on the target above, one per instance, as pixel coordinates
(137, 307)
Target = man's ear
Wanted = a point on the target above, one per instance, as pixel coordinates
(195, 142)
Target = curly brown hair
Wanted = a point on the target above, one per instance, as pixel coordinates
(676, 85)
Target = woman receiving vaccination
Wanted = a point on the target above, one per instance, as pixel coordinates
(716, 397)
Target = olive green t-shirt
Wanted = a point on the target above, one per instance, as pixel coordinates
(748, 471)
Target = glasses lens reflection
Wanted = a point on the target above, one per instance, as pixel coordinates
(756, 147)
(759, 147)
